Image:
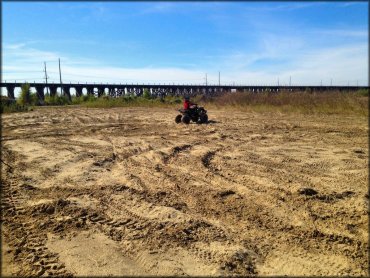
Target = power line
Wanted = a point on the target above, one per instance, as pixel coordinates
(21, 71)
(24, 79)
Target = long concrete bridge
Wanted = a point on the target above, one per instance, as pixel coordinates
(157, 90)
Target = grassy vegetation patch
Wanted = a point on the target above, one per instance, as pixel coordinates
(130, 101)
(10, 106)
(301, 102)
(306, 102)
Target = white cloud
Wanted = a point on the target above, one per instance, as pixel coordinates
(362, 34)
(352, 3)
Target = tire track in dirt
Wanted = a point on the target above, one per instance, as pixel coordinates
(226, 198)
(25, 240)
(174, 152)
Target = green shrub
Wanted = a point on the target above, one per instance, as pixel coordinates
(147, 94)
(57, 100)
(35, 100)
(85, 98)
(89, 98)
(25, 96)
(76, 100)
(15, 107)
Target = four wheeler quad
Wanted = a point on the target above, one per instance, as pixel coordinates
(196, 114)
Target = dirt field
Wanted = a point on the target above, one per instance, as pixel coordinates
(126, 191)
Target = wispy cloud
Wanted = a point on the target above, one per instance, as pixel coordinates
(15, 46)
(352, 3)
(295, 6)
(343, 33)
(288, 6)
(23, 56)
(181, 7)
(161, 7)
(20, 52)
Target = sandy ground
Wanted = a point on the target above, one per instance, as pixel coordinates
(126, 191)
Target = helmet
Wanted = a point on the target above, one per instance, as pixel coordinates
(187, 98)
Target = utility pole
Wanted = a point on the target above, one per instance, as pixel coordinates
(206, 80)
(331, 81)
(46, 78)
(321, 83)
(290, 81)
(278, 81)
(60, 78)
(218, 78)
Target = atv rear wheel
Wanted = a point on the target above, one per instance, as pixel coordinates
(178, 119)
(185, 119)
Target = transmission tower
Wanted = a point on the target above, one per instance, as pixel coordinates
(46, 78)
(60, 78)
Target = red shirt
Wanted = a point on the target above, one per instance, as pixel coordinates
(187, 104)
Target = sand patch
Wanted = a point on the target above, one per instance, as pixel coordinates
(93, 255)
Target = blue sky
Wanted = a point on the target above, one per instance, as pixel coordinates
(179, 42)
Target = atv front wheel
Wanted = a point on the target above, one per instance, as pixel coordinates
(178, 119)
(203, 118)
(185, 119)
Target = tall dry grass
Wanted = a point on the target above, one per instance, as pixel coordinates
(301, 102)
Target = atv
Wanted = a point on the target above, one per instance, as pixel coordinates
(196, 114)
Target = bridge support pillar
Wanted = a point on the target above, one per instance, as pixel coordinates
(78, 91)
(47, 91)
(10, 91)
(111, 92)
(90, 91)
(40, 93)
(53, 91)
(100, 91)
(67, 92)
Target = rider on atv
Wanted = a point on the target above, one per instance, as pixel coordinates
(191, 112)
(187, 104)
